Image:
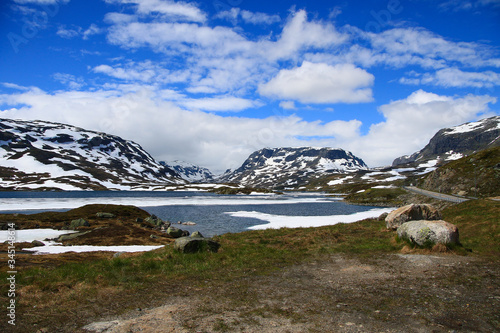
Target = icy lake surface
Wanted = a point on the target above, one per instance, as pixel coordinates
(213, 214)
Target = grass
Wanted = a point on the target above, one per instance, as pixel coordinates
(478, 222)
(98, 287)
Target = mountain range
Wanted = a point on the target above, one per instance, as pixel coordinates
(43, 155)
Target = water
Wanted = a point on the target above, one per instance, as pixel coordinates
(213, 214)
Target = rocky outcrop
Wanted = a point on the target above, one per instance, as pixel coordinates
(195, 244)
(411, 213)
(429, 233)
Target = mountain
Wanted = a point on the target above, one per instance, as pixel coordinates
(455, 142)
(45, 155)
(191, 172)
(281, 168)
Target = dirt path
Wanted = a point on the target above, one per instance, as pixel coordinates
(384, 293)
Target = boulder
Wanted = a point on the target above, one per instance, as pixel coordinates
(411, 212)
(197, 234)
(195, 244)
(37, 243)
(176, 232)
(154, 220)
(429, 233)
(104, 215)
(79, 223)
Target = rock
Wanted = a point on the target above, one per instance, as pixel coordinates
(105, 215)
(118, 254)
(79, 223)
(156, 221)
(152, 236)
(195, 244)
(175, 232)
(197, 234)
(37, 243)
(382, 216)
(188, 223)
(429, 233)
(411, 212)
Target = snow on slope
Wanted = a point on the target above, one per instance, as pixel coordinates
(45, 155)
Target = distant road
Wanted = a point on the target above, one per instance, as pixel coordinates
(435, 195)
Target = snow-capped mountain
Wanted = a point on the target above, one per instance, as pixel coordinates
(455, 142)
(292, 167)
(190, 172)
(45, 155)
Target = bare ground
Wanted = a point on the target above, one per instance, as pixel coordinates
(340, 293)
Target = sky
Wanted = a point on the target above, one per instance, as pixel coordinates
(209, 82)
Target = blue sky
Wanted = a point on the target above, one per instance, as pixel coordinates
(209, 82)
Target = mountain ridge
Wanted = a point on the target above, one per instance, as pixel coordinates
(291, 167)
(47, 155)
(455, 142)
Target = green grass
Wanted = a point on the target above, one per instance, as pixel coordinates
(130, 281)
(478, 222)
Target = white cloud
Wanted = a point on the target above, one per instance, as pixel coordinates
(321, 83)
(288, 105)
(71, 81)
(63, 32)
(169, 132)
(67, 33)
(222, 103)
(179, 10)
(257, 18)
(454, 77)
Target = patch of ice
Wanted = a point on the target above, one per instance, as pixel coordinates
(282, 221)
(56, 249)
(29, 235)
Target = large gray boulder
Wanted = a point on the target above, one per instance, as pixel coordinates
(411, 212)
(195, 244)
(429, 233)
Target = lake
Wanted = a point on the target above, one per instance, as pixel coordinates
(213, 214)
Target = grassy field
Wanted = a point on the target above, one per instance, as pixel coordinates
(103, 285)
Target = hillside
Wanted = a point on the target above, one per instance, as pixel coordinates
(474, 175)
(283, 168)
(44, 155)
(455, 142)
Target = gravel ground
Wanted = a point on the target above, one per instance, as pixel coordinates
(380, 293)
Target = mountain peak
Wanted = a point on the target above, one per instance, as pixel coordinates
(292, 167)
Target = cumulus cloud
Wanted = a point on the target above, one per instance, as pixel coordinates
(321, 83)
(169, 132)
